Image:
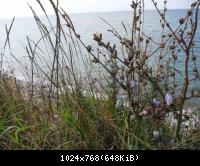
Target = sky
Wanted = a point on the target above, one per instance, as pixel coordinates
(19, 8)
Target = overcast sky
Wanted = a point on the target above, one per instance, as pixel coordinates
(19, 8)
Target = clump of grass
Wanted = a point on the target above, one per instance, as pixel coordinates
(63, 108)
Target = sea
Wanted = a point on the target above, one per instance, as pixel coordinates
(86, 25)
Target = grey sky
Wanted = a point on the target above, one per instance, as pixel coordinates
(19, 8)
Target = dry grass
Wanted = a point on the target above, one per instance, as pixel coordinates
(59, 108)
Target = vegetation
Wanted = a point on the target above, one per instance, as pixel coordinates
(60, 107)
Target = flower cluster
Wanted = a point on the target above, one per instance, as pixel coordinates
(157, 109)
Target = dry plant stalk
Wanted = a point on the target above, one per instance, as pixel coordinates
(133, 73)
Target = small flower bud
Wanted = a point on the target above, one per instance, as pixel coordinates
(162, 45)
(194, 5)
(78, 36)
(181, 21)
(194, 57)
(190, 12)
(89, 48)
(175, 56)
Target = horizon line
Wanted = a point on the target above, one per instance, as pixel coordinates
(89, 12)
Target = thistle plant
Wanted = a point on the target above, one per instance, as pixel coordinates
(128, 62)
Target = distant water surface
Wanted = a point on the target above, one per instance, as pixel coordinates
(86, 25)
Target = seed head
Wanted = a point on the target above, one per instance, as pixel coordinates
(190, 12)
(134, 5)
(181, 21)
(167, 24)
(175, 56)
(194, 5)
(95, 60)
(162, 45)
(78, 36)
(194, 57)
(68, 25)
(89, 48)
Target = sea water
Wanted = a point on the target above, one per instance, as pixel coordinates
(86, 25)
